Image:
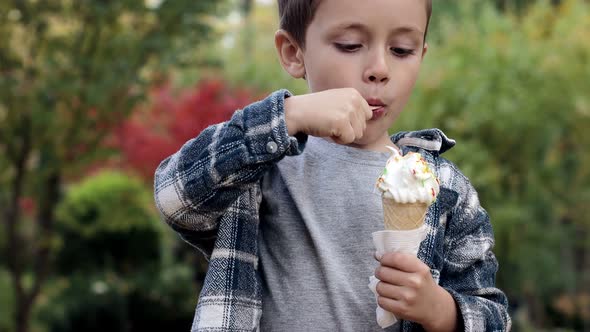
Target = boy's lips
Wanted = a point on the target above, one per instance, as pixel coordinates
(378, 112)
(377, 106)
(375, 102)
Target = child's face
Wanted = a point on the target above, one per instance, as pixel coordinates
(374, 46)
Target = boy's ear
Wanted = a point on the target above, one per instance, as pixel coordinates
(290, 54)
(424, 50)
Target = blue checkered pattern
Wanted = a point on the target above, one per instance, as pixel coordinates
(209, 192)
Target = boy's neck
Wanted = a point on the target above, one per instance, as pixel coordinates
(377, 146)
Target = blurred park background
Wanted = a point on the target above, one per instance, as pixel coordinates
(94, 94)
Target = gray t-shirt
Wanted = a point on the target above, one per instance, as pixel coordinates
(317, 215)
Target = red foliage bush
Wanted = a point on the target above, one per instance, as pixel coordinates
(158, 130)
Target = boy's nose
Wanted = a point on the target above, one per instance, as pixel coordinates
(377, 78)
(377, 69)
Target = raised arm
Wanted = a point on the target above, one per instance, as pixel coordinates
(195, 186)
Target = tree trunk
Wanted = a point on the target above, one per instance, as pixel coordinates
(14, 250)
(24, 299)
(23, 311)
(47, 205)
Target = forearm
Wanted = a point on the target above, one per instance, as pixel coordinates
(445, 313)
(194, 186)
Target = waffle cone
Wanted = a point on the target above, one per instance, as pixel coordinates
(403, 216)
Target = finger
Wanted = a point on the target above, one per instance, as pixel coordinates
(368, 113)
(402, 261)
(398, 308)
(377, 256)
(346, 134)
(390, 291)
(366, 110)
(362, 114)
(357, 124)
(392, 276)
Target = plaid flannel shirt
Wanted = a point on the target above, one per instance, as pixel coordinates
(209, 192)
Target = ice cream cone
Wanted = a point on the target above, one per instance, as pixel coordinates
(403, 216)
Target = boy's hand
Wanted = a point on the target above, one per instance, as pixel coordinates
(340, 114)
(409, 292)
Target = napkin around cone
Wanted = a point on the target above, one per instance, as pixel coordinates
(394, 241)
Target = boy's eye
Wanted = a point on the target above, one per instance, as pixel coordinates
(348, 47)
(401, 52)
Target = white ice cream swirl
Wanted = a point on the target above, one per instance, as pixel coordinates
(408, 179)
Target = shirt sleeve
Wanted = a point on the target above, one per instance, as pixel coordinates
(470, 266)
(195, 187)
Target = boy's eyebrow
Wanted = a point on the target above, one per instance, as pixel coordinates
(363, 28)
(408, 29)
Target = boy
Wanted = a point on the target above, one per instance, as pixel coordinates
(281, 197)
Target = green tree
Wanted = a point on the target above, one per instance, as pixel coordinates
(69, 71)
(518, 5)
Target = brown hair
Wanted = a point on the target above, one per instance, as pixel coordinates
(296, 15)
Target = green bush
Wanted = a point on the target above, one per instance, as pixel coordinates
(164, 300)
(149, 300)
(87, 304)
(513, 91)
(118, 271)
(108, 222)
